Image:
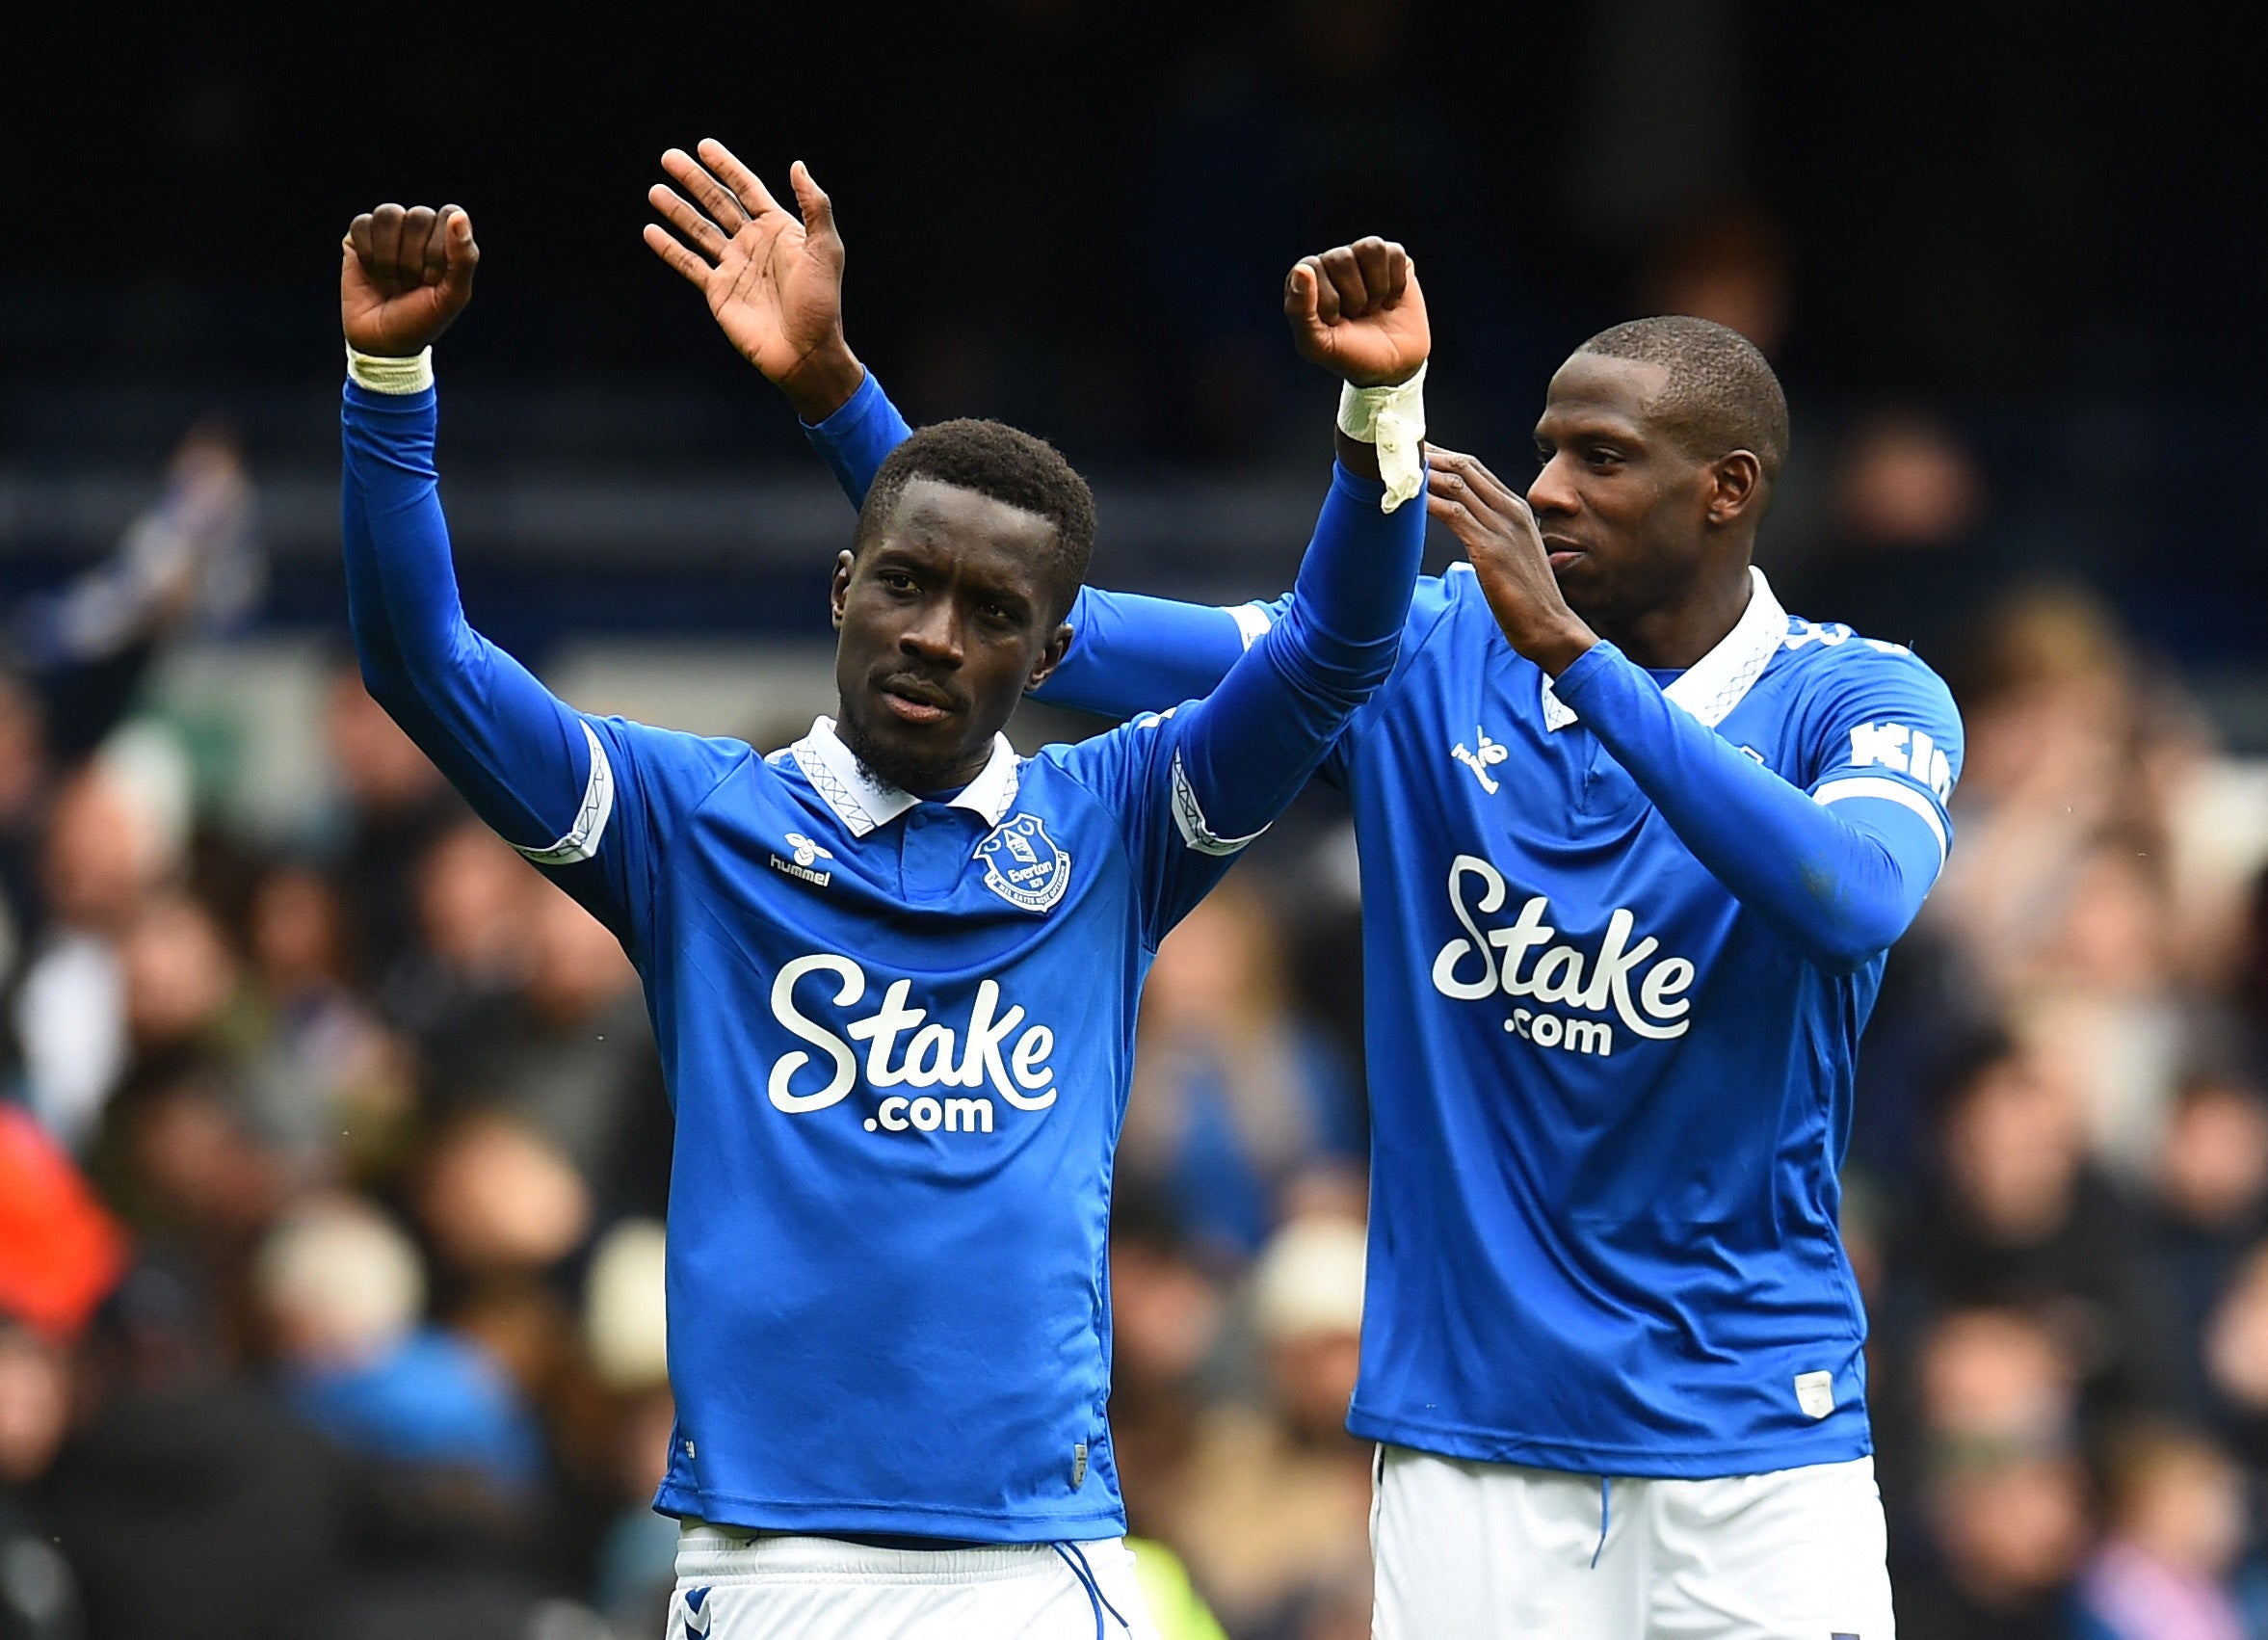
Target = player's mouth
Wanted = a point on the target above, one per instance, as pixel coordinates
(916, 701)
(1560, 552)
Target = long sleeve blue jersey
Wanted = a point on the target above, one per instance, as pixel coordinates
(1621, 935)
(897, 1033)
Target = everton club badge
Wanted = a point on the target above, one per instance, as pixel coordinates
(1022, 864)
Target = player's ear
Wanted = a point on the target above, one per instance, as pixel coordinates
(844, 561)
(1059, 645)
(1736, 484)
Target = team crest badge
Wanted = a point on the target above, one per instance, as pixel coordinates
(1023, 866)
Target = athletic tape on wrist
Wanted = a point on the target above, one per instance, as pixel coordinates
(383, 375)
(1393, 418)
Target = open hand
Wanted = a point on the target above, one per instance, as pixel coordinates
(1499, 535)
(774, 282)
(1357, 313)
(403, 276)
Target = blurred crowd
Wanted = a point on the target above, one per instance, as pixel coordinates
(333, 1168)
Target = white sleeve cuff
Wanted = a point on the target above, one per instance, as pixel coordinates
(383, 375)
(1393, 418)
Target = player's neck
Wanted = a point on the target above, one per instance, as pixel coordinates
(1673, 637)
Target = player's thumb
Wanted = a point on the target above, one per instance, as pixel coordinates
(818, 210)
(461, 256)
(1302, 298)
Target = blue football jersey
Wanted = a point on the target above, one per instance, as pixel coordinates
(894, 1231)
(1610, 1103)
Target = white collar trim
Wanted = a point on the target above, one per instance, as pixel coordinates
(863, 802)
(1721, 680)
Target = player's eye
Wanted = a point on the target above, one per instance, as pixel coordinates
(895, 580)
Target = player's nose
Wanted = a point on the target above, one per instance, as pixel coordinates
(933, 634)
(1552, 491)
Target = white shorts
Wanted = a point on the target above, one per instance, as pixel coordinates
(1488, 1550)
(731, 1586)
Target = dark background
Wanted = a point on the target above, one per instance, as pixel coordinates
(2045, 222)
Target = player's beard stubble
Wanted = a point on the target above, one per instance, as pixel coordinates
(917, 771)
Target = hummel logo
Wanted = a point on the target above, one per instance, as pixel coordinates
(806, 852)
(1490, 755)
(698, 1611)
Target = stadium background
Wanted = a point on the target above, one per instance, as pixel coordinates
(378, 1115)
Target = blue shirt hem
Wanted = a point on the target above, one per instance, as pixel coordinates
(899, 1519)
(1825, 1446)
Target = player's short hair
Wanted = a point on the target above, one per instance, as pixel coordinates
(1721, 394)
(1006, 463)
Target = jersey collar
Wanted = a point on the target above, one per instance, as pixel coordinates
(863, 803)
(1721, 680)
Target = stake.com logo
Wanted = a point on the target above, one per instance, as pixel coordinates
(935, 1054)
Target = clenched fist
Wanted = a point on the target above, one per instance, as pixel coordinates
(403, 276)
(1359, 313)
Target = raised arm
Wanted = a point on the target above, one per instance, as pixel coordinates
(1253, 740)
(528, 763)
(1211, 777)
(772, 280)
(1839, 871)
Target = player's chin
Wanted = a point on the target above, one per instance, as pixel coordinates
(1587, 591)
(917, 754)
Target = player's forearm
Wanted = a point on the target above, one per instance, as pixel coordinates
(1839, 889)
(517, 752)
(1272, 717)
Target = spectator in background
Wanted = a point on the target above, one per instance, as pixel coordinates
(2019, 1217)
(185, 998)
(72, 661)
(2097, 998)
(2053, 716)
(325, 1075)
(59, 1254)
(107, 848)
(570, 1054)
(472, 897)
(501, 1211)
(2005, 1496)
(342, 1292)
(396, 804)
(2235, 1349)
(181, 1163)
(2211, 1203)
(1728, 265)
(1902, 557)
(625, 1326)
(2175, 1509)
(1274, 1508)
(1236, 1097)
(1167, 1317)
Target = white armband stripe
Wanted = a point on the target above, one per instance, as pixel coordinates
(582, 840)
(1190, 818)
(1252, 621)
(1888, 791)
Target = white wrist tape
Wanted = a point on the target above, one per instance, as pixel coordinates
(381, 375)
(1393, 418)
